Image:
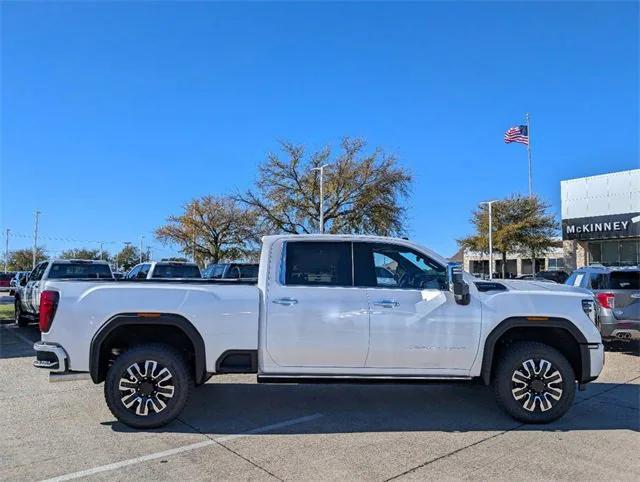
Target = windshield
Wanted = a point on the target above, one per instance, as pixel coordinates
(79, 270)
(176, 271)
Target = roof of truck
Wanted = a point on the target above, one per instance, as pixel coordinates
(360, 237)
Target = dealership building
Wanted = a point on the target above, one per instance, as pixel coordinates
(601, 220)
(600, 225)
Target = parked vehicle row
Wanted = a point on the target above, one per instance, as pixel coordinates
(231, 271)
(27, 298)
(164, 270)
(5, 279)
(324, 308)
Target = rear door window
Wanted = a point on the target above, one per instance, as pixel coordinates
(599, 281)
(310, 263)
(621, 280)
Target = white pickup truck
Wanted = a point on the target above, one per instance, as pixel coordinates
(321, 312)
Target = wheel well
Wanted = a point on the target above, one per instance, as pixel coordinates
(556, 337)
(125, 332)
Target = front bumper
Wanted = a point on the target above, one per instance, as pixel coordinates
(596, 361)
(50, 357)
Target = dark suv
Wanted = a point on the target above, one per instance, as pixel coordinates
(617, 291)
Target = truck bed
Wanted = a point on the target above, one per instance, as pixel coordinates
(224, 313)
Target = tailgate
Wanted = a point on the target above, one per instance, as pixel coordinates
(625, 286)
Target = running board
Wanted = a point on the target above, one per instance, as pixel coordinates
(68, 376)
(359, 379)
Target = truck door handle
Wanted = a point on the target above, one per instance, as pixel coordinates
(285, 301)
(386, 303)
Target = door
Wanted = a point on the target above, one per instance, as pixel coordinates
(415, 321)
(314, 315)
(32, 290)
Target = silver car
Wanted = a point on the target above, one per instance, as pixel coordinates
(617, 291)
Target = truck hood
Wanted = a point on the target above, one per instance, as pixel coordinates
(543, 287)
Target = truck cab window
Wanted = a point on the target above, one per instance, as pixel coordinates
(38, 272)
(391, 266)
(321, 263)
(144, 271)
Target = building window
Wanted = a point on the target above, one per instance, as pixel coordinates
(556, 263)
(615, 253)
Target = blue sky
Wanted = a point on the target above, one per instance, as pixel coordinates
(114, 114)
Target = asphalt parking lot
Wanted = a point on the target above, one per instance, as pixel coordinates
(235, 429)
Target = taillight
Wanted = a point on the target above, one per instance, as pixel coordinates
(48, 306)
(605, 300)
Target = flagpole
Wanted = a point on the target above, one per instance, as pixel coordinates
(529, 153)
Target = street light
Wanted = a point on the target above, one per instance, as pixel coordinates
(490, 204)
(321, 169)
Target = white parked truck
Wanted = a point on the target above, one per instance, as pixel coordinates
(320, 312)
(27, 295)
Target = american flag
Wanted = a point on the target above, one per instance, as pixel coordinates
(517, 134)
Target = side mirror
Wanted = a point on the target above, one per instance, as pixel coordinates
(23, 281)
(457, 285)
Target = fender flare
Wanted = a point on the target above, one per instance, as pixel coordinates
(523, 322)
(164, 319)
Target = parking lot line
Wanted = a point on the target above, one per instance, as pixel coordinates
(185, 448)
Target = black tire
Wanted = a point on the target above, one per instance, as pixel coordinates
(549, 391)
(21, 319)
(151, 391)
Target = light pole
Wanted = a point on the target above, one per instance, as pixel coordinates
(6, 250)
(35, 240)
(490, 204)
(321, 169)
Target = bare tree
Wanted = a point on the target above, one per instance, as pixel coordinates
(213, 228)
(362, 191)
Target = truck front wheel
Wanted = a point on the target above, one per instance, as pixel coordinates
(534, 382)
(148, 386)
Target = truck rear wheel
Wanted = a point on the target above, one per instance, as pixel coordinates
(534, 382)
(148, 386)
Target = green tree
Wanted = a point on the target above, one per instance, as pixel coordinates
(363, 190)
(128, 257)
(22, 259)
(85, 253)
(520, 225)
(216, 228)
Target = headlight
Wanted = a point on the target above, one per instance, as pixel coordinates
(589, 308)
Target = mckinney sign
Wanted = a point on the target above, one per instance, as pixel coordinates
(602, 227)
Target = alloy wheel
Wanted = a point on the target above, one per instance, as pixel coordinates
(146, 387)
(537, 385)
